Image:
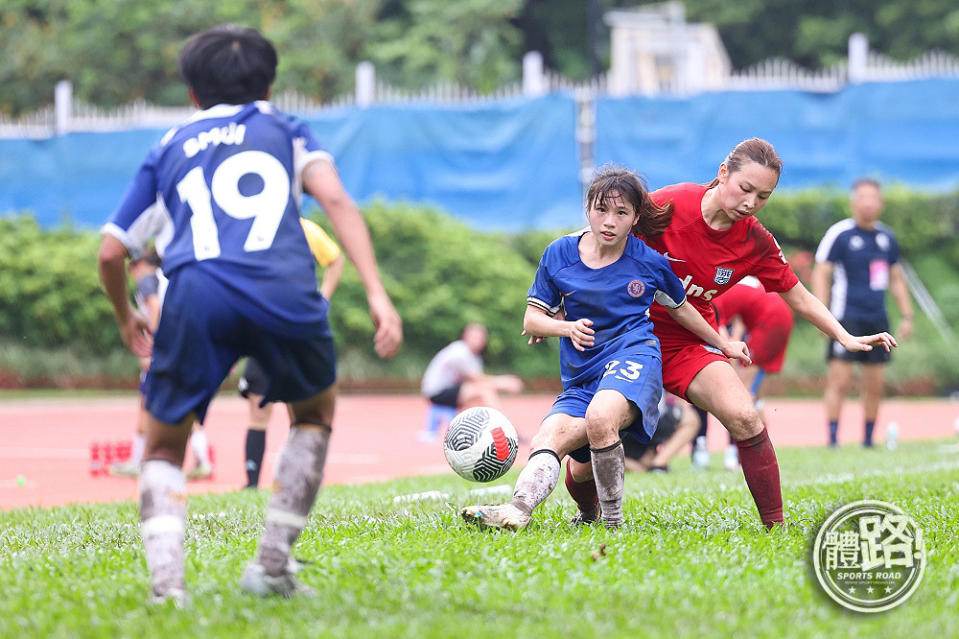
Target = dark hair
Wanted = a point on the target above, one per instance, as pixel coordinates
(756, 150)
(228, 64)
(866, 181)
(653, 218)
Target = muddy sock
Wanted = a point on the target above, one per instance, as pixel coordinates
(537, 480)
(609, 469)
(761, 470)
(255, 447)
(297, 480)
(162, 516)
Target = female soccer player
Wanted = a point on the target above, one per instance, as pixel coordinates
(604, 279)
(712, 242)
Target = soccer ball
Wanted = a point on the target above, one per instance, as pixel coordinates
(480, 444)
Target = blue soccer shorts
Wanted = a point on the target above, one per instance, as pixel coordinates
(203, 332)
(638, 378)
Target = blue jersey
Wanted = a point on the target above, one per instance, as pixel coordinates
(861, 261)
(616, 298)
(222, 193)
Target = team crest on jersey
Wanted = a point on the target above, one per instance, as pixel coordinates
(636, 288)
(723, 275)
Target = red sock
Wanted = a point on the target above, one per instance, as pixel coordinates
(583, 493)
(758, 459)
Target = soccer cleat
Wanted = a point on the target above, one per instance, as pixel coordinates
(202, 471)
(505, 516)
(177, 596)
(586, 518)
(256, 582)
(125, 469)
(731, 458)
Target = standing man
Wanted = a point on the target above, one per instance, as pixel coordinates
(859, 257)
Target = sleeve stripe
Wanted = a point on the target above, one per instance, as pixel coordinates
(822, 253)
(664, 299)
(532, 301)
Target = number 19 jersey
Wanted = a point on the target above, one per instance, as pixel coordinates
(221, 193)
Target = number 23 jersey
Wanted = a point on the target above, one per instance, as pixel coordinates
(222, 193)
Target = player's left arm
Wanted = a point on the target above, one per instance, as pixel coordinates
(690, 319)
(808, 306)
(112, 265)
(321, 180)
(900, 293)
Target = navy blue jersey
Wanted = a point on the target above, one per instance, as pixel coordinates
(861, 260)
(616, 298)
(223, 191)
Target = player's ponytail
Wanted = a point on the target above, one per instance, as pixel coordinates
(652, 218)
(755, 150)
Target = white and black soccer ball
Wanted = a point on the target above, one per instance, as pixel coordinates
(481, 444)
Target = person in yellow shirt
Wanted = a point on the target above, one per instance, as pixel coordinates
(254, 382)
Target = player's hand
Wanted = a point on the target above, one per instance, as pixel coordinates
(136, 335)
(533, 339)
(389, 326)
(866, 342)
(738, 350)
(581, 334)
(904, 330)
(509, 383)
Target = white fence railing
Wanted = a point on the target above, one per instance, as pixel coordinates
(863, 66)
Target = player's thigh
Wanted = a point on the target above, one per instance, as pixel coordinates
(610, 409)
(316, 410)
(718, 390)
(259, 415)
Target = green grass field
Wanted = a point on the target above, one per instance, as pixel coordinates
(692, 561)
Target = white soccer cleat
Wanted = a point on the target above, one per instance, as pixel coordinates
(256, 582)
(505, 516)
(124, 469)
(177, 596)
(731, 458)
(202, 471)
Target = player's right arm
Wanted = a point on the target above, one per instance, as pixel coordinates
(134, 327)
(539, 323)
(321, 180)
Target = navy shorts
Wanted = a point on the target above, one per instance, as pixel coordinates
(449, 396)
(202, 334)
(254, 380)
(877, 355)
(638, 378)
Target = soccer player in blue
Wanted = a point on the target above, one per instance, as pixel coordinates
(603, 280)
(228, 183)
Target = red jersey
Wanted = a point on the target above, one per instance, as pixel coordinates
(709, 262)
(750, 301)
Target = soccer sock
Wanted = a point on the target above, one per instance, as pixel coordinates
(162, 515)
(136, 452)
(833, 432)
(199, 446)
(583, 493)
(298, 476)
(609, 469)
(761, 469)
(870, 426)
(537, 480)
(255, 446)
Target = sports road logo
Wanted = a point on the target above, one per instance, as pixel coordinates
(869, 556)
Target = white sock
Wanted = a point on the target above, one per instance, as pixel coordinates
(136, 452)
(200, 448)
(162, 517)
(609, 467)
(537, 480)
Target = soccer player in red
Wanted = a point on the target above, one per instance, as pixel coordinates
(712, 242)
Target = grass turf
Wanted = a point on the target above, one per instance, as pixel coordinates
(692, 560)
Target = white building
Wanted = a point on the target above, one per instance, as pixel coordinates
(654, 50)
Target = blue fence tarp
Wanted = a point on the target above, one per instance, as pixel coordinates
(898, 132)
(513, 164)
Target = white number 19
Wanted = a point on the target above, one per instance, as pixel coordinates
(266, 207)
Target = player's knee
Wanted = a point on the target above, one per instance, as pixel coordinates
(744, 422)
(600, 423)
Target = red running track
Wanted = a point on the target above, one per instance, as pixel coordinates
(45, 444)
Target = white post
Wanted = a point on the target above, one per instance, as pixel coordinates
(858, 57)
(62, 106)
(365, 84)
(533, 81)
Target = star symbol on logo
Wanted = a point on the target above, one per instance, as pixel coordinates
(852, 590)
(870, 590)
(888, 589)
